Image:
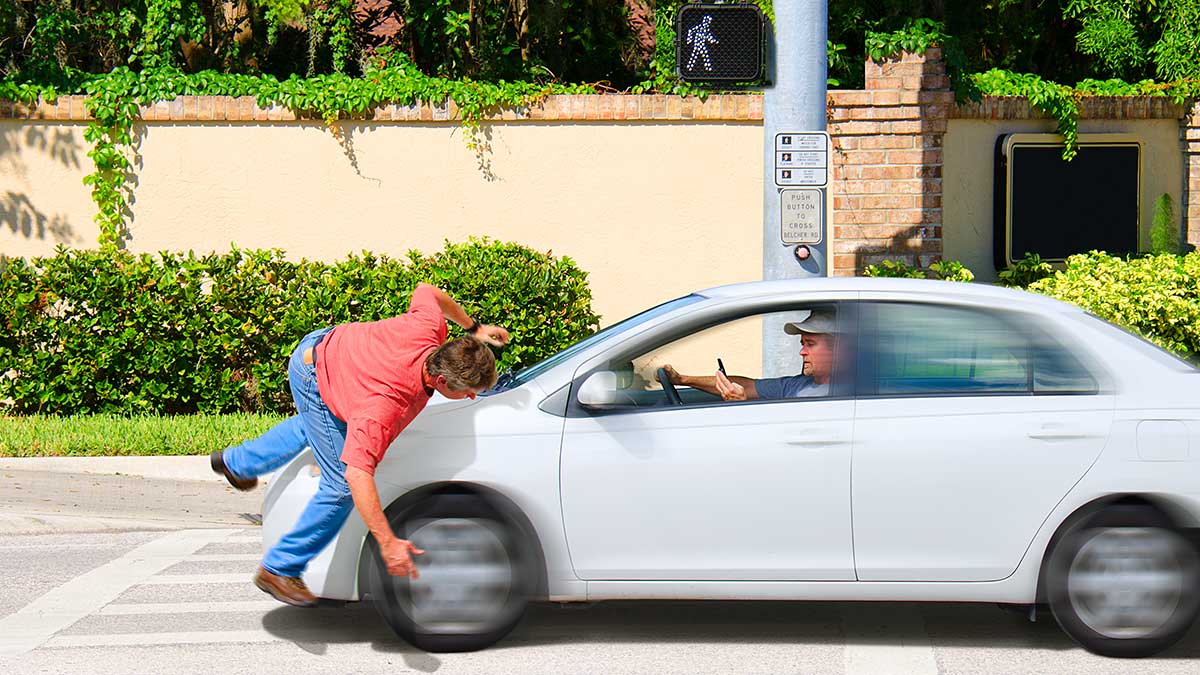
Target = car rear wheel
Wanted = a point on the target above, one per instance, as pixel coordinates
(476, 575)
(1124, 582)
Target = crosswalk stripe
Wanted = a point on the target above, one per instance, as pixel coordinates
(182, 638)
(223, 557)
(224, 578)
(871, 632)
(243, 539)
(189, 607)
(36, 622)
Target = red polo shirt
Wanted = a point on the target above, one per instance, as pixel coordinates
(369, 374)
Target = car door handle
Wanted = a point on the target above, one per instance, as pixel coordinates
(816, 441)
(1051, 433)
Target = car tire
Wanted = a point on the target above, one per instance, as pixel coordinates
(1124, 582)
(476, 575)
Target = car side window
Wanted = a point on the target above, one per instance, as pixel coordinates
(632, 382)
(1056, 370)
(938, 349)
(929, 349)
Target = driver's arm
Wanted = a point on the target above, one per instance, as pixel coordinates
(708, 383)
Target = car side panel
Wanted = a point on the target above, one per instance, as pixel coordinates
(503, 442)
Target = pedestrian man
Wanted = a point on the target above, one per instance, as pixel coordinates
(356, 386)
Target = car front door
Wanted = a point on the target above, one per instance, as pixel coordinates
(706, 489)
(971, 424)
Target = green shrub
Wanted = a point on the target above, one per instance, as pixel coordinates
(1157, 296)
(893, 268)
(1025, 271)
(946, 270)
(1164, 231)
(951, 270)
(175, 333)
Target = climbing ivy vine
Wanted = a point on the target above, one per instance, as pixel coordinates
(113, 101)
(1056, 100)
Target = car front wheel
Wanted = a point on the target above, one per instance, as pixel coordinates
(1124, 583)
(476, 575)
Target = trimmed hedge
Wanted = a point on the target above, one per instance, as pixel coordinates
(176, 333)
(1157, 296)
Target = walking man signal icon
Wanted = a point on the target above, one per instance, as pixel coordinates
(700, 37)
(719, 43)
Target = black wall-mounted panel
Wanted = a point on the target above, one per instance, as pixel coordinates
(1055, 208)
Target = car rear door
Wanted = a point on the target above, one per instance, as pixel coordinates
(971, 424)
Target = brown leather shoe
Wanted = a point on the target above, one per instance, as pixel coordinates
(288, 590)
(218, 466)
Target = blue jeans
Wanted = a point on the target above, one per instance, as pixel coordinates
(316, 427)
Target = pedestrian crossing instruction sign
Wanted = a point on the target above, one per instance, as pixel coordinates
(720, 43)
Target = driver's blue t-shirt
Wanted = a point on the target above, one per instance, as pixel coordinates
(792, 386)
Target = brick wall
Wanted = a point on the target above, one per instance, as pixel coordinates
(1191, 142)
(887, 157)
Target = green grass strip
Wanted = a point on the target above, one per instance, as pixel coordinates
(107, 435)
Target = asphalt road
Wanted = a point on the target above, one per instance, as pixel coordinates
(127, 574)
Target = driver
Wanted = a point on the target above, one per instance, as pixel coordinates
(816, 331)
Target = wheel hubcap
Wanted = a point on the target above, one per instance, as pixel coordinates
(1127, 582)
(466, 575)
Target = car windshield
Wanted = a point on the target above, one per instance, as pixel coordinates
(510, 380)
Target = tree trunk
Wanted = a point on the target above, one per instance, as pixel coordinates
(520, 10)
(379, 23)
(640, 19)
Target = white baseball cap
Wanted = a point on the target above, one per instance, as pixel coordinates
(818, 321)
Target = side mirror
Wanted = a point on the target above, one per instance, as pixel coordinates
(600, 388)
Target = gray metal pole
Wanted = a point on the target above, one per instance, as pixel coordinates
(797, 58)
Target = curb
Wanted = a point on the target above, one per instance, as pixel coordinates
(174, 467)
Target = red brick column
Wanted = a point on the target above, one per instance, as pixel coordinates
(1191, 157)
(887, 164)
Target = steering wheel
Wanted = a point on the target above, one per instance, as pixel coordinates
(668, 388)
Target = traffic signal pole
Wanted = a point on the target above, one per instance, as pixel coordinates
(796, 163)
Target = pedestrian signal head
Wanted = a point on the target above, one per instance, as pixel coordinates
(720, 43)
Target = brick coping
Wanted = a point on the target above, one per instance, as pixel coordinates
(606, 108)
(591, 107)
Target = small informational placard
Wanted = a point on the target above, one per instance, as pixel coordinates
(802, 215)
(802, 159)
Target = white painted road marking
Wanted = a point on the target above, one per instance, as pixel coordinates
(35, 623)
(224, 557)
(190, 607)
(871, 640)
(245, 539)
(195, 637)
(224, 578)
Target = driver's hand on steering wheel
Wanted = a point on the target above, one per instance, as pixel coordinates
(673, 376)
(729, 390)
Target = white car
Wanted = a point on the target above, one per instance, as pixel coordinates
(976, 444)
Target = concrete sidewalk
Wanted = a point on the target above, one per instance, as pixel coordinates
(96, 494)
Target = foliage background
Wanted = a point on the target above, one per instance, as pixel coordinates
(614, 43)
(178, 333)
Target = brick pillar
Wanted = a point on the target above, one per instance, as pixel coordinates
(1191, 167)
(887, 157)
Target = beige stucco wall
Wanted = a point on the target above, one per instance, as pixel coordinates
(967, 178)
(651, 210)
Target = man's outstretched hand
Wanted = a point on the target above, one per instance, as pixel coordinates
(492, 335)
(398, 557)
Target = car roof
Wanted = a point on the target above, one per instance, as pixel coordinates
(917, 288)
